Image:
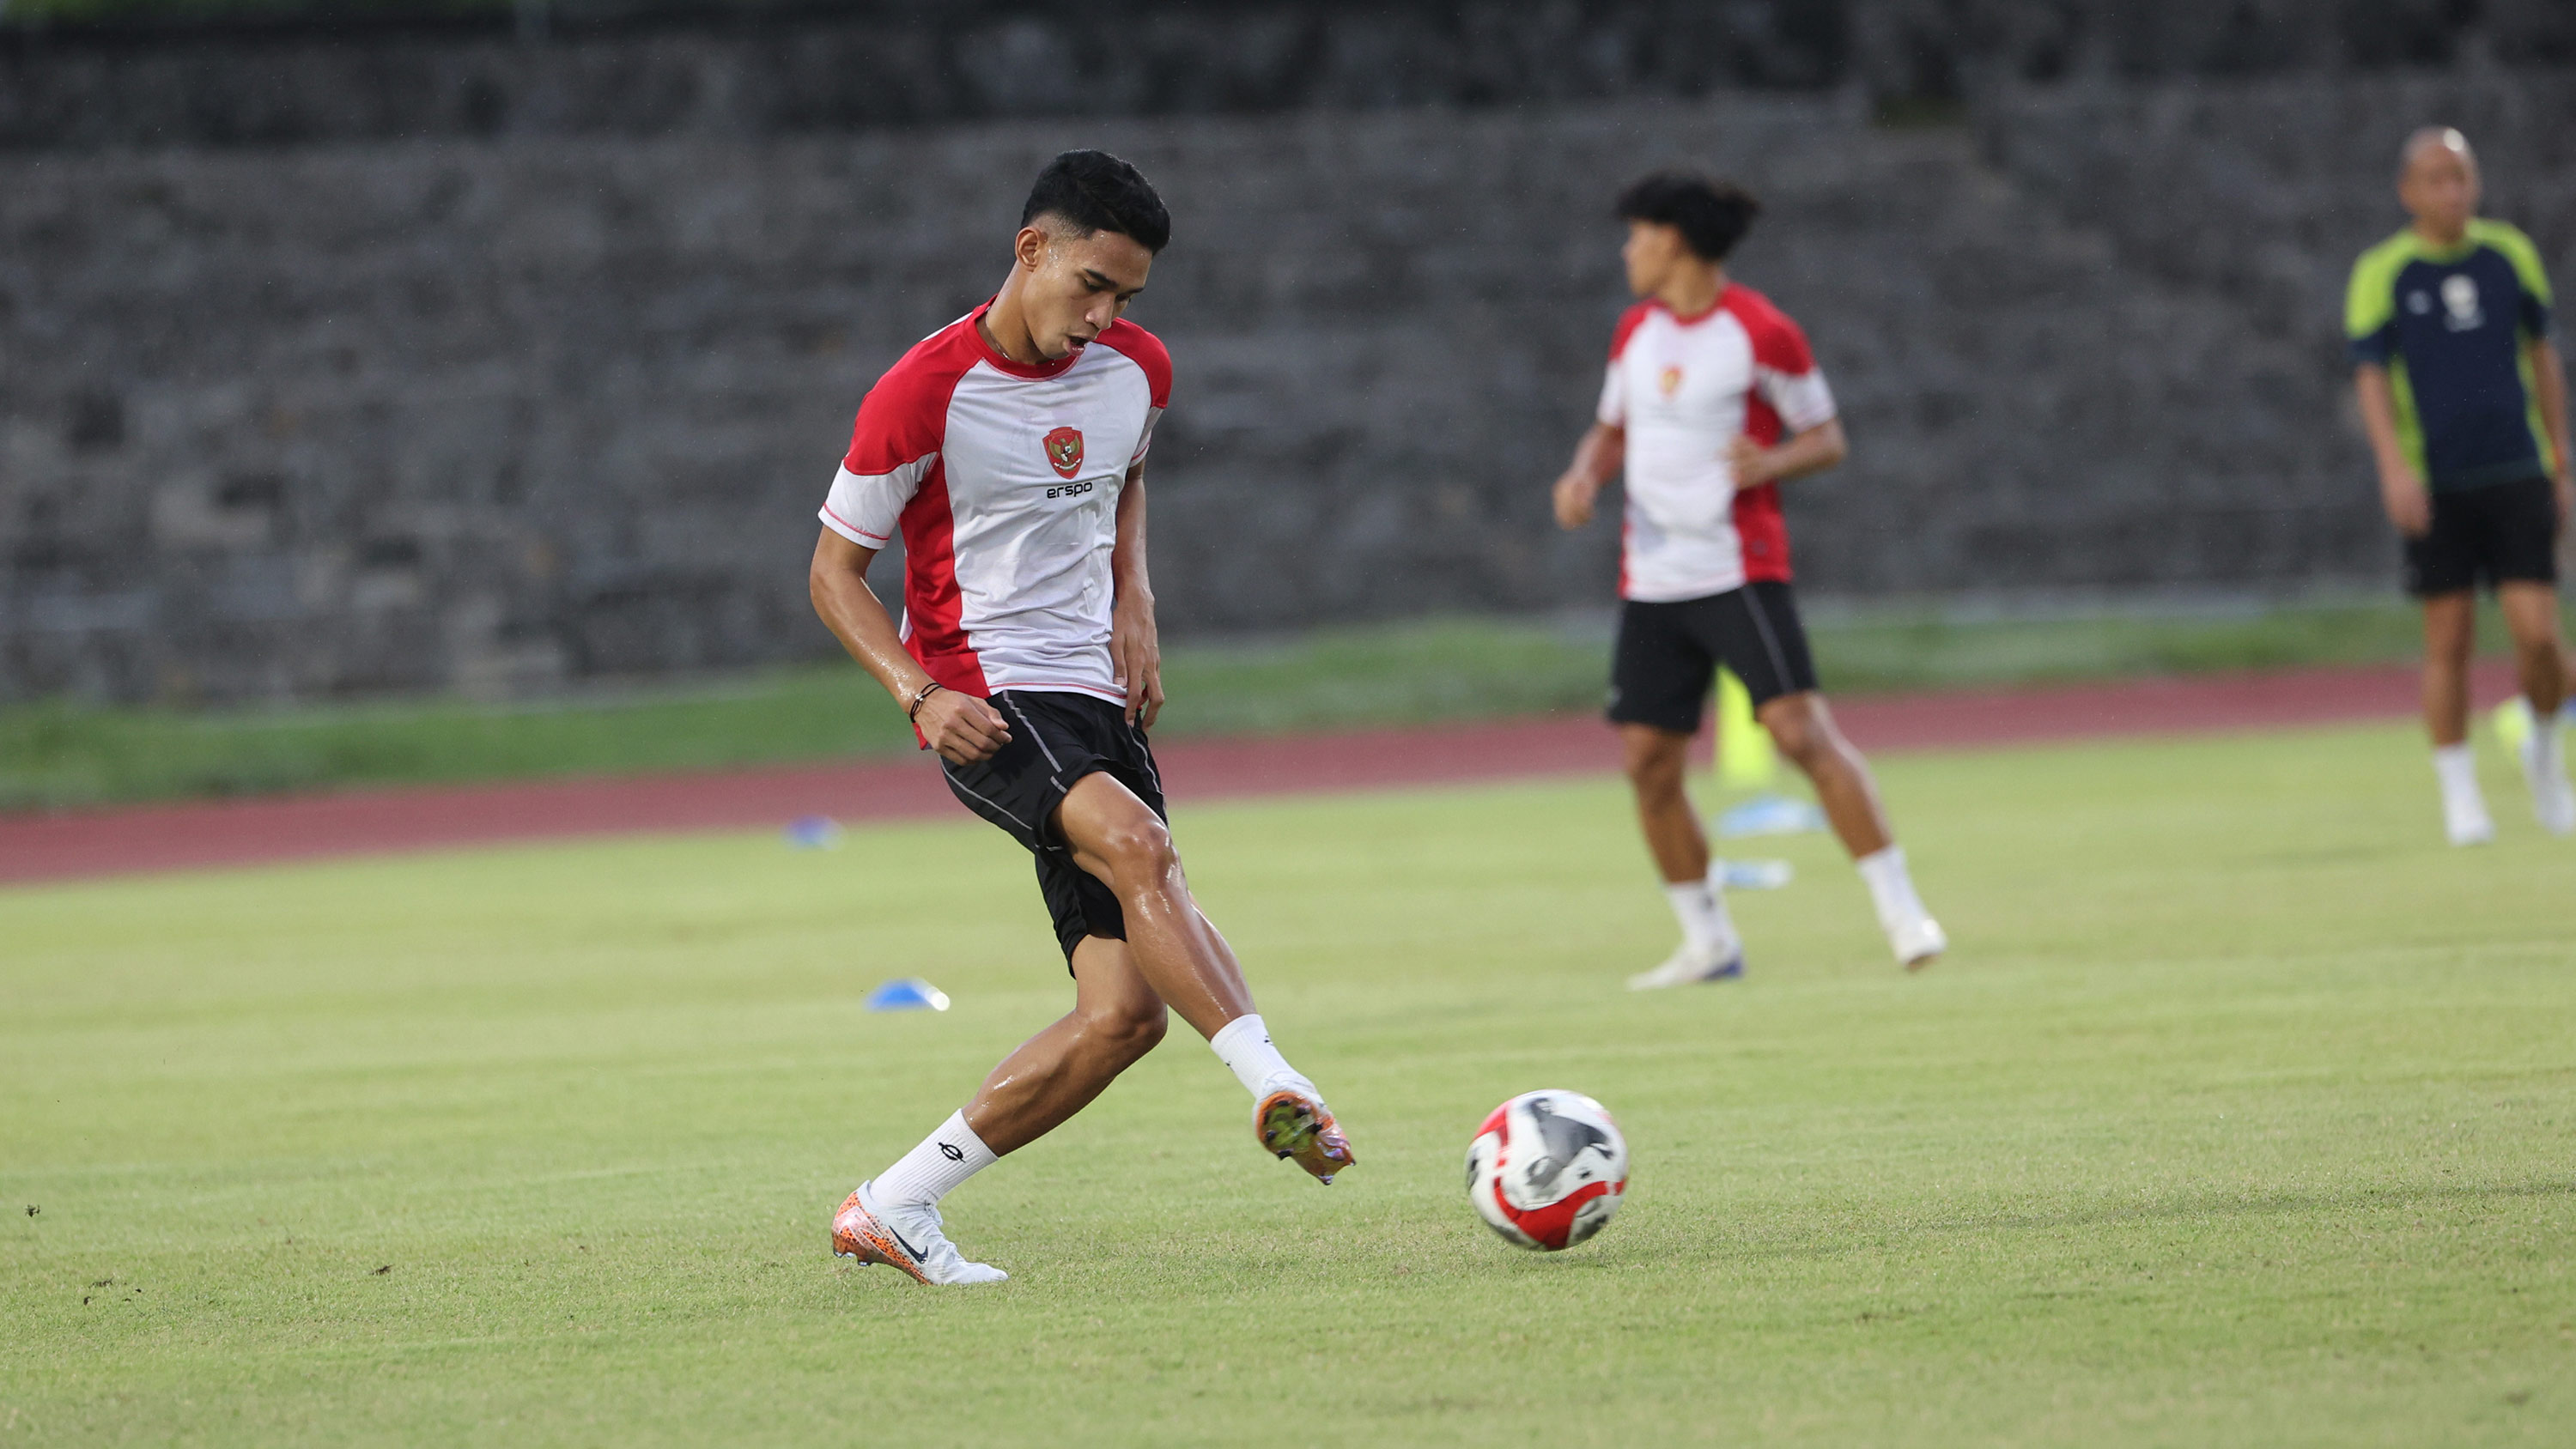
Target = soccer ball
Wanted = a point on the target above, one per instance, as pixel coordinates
(1547, 1169)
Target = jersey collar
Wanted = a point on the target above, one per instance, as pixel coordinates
(1715, 305)
(1001, 364)
(2443, 256)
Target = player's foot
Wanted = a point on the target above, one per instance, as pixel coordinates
(2544, 769)
(1293, 1122)
(1719, 961)
(2466, 822)
(906, 1237)
(1919, 944)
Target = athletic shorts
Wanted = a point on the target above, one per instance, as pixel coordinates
(1056, 739)
(1667, 655)
(2488, 535)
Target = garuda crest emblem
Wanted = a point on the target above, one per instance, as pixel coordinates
(1064, 451)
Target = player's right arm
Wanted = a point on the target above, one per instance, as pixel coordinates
(2401, 492)
(962, 728)
(1596, 462)
(1597, 459)
(2370, 333)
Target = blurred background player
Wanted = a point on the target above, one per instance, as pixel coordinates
(1710, 401)
(1009, 449)
(2465, 403)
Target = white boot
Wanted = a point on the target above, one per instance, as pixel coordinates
(2464, 805)
(2544, 769)
(906, 1236)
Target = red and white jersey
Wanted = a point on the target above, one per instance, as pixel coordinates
(1004, 480)
(1683, 388)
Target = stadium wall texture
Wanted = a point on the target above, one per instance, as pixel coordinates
(297, 72)
(495, 413)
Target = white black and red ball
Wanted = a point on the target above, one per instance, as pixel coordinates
(1547, 1169)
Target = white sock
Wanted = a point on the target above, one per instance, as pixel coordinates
(1243, 1044)
(931, 1171)
(1701, 908)
(2456, 766)
(1891, 888)
(2547, 750)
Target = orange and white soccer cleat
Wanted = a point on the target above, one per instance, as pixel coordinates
(1293, 1122)
(904, 1237)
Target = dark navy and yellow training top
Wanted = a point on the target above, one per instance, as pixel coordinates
(2453, 328)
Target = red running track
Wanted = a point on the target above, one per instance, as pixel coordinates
(240, 832)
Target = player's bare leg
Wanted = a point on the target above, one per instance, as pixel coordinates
(1803, 729)
(2531, 618)
(2450, 636)
(1116, 1019)
(1656, 761)
(1179, 954)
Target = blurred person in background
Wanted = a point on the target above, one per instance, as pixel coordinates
(1711, 400)
(2465, 402)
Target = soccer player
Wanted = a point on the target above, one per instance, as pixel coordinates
(1009, 448)
(1711, 401)
(2465, 403)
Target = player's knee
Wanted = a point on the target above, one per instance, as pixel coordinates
(1140, 848)
(1655, 768)
(1133, 1028)
(1146, 1029)
(1797, 735)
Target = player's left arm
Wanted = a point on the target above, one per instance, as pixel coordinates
(2549, 389)
(1786, 377)
(1812, 450)
(2548, 376)
(1135, 645)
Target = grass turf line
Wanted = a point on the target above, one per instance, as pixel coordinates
(2242, 1113)
(59, 754)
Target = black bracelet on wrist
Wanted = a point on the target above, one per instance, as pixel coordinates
(914, 714)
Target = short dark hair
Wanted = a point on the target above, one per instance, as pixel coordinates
(1711, 215)
(1098, 192)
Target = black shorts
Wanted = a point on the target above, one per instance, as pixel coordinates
(1667, 655)
(1056, 739)
(2488, 535)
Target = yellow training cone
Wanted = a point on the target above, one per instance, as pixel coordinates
(2511, 723)
(1744, 757)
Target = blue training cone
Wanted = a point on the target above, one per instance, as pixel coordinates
(910, 993)
(814, 832)
(1754, 875)
(1771, 815)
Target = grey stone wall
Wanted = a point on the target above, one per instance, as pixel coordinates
(2264, 191)
(318, 71)
(494, 414)
(749, 71)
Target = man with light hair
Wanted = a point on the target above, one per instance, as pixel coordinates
(2465, 402)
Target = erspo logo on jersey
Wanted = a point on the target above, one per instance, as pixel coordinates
(1064, 451)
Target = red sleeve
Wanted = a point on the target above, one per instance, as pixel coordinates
(1628, 323)
(904, 418)
(1778, 344)
(1145, 350)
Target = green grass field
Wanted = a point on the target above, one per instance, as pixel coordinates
(2244, 1112)
(60, 753)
